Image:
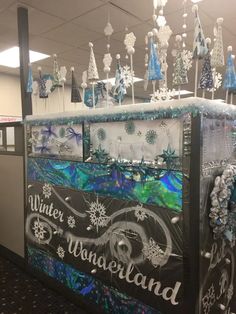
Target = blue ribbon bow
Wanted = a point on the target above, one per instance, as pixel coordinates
(73, 134)
(48, 132)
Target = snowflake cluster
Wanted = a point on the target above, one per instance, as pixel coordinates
(209, 300)
(47, 190)
(71, 221)
(153, 252)
(39, 230)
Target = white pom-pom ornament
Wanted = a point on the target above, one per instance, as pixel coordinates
(131, 50)
(195, 8)
(91, 45)
(230, 48)
(72, 69)
(117, 56)
(54, 55)
(178, 38)
(39, 69)
(150, 34)
(107, 69)
(220, 21)
(208, 41)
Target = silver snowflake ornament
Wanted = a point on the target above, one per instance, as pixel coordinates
(60, 252)
(153, 252)
(187, 58)
(127, 76)
(97, 214)
(71, 221)
(140, 213)
(39, 230)
(108, 30)
(164, 34)
(130, 40)
(163, 94)
(47, 190)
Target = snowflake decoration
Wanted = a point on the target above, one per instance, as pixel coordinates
(169, 157)
(47, 190)
(108, 30)
(209, 300)
(163, 94)
(127, 76)
(187, 57)
(60, 252)
(39, 230)
(100, 155)
(164, 34)
(140, 213)
(71, 221)
(130, 40)
(217, 80)
(163, 125)
(97, 214)
(130, 127)
(153, 252)
(63, 148)
(161, 20)
(107, 60)
(101, 134)
(151, 137)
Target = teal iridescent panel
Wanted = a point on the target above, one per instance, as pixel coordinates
(109, 299)
(138, 183)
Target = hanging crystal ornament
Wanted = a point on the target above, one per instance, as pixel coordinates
(185, 14)
(107, 60)
(129, 42)
(146, 64)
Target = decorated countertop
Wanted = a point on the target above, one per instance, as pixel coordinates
(146, 111)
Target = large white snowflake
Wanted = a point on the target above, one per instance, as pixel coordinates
(47, 190)
(140, 213)
(130, 40)
(128, 76)
(60, 252)
(71, 221)
(153, 252)
(217, 80)
(39, 230)
(163, 94)
(187, 57)
(209, 300)
(97, 214)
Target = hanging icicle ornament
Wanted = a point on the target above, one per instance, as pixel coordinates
(206, 78)
(56, 73)
(129, 42)
(75, 93)
(92, 71)
(84, 84)
(217, 57)
(119, 88)
(230, 74)
(199, 44)
(29, 88)
(180, 72)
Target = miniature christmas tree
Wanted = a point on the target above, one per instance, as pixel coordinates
(119, 88)
(92, 68)
(154, 67)
(180, 72)
(206, 79)
(75, 93)
(56, 74)
(199, 45)
(217, 58)
(42, 85)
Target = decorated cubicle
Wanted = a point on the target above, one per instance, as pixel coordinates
(133, 208)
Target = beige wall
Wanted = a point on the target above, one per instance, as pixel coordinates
(12, 204)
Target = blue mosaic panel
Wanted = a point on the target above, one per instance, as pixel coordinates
(138, 183)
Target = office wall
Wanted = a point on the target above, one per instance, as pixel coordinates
(12, 203)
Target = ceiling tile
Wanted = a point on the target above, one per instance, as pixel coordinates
(72, 34)
(40, 22)
(64, 9)
(219, 9)
(45, 45)
(97, 19)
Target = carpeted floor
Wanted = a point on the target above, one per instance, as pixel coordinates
(22, 294)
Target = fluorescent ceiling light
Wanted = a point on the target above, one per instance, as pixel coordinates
(182, 92)
(113, 79)
(196, 1)
(10, 57)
